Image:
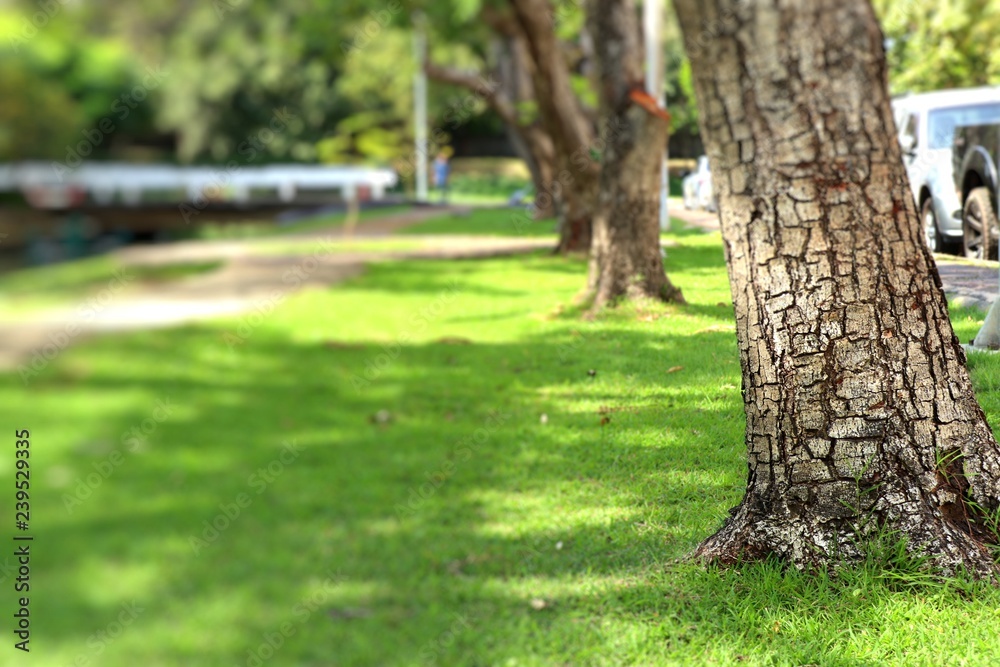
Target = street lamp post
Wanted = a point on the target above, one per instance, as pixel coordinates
(420, 105)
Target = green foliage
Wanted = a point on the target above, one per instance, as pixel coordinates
(37, 119)
(678, 83)
(934, 45)
(527, 111)
(57, 85)
(584, 90)
(231, 75)
(684, 112)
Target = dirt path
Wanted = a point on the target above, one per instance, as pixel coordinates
(246, 281)
(249, 280)
(693, 218)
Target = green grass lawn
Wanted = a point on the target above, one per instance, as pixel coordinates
(486, 221)
(508, 221)
(477, 476)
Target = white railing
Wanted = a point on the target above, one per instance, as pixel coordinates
(105, 182)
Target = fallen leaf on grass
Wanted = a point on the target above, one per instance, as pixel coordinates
(381, 417)
(674, 369)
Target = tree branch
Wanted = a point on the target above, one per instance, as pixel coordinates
(477, 83)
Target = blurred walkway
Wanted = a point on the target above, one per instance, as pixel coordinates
(699, 219)
(247, 280)
(969, 283)
(250, 279)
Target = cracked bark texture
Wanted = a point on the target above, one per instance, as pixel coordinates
(860, 411)
(625, 256)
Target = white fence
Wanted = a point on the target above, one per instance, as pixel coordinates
(52, 186)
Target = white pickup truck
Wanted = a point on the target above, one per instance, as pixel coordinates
(926, 123)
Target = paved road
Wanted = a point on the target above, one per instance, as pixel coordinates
(693, 218)
(968, 284)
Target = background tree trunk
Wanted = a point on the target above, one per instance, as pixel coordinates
(860, 412)
(529, 138)
(626, 260)
(565, 120)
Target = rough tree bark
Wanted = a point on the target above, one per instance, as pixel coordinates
(860, 413)
(625, 259)
(566, 122)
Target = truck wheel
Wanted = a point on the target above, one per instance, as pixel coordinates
(936, 241)
(931, 233)
(979, 226)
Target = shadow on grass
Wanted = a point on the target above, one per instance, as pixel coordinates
(450, 504)
(369, 499)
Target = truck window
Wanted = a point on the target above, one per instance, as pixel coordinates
(941, 123)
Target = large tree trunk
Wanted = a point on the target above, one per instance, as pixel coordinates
(860, 412)
(565, 121)
(626, 260)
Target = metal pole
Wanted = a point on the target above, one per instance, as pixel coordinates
(420, 105)
(652, 25)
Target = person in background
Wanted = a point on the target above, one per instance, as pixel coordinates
(442, 170)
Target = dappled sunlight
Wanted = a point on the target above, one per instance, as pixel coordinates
(471, 476)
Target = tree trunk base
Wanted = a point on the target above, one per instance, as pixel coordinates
(574, 236)
(609, 296)
(748, 535)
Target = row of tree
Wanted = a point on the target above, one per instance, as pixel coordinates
(345, 66)
(594, 150)
(862, 423)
